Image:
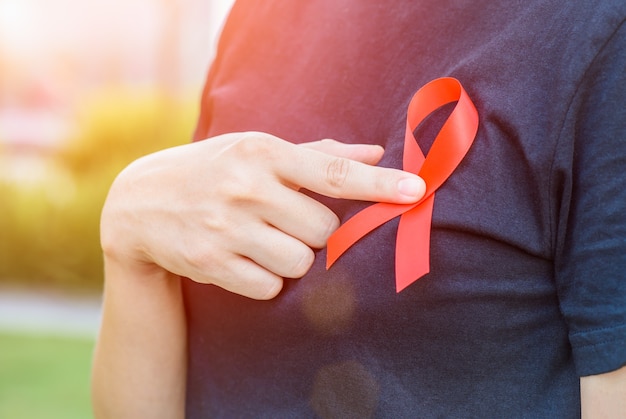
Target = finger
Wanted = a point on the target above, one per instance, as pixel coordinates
(277, 252)
(253, 281)
(244, 277)
(300, 216)
(365, 153)
(340, 177)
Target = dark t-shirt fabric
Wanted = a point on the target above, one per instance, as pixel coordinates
(527, 287)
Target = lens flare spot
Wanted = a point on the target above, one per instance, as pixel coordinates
(330, 305)
(345, 390)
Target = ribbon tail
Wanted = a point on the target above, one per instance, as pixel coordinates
(359, 225)
(413, 244)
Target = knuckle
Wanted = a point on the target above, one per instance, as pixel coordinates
(198, 258)
(271, 289)
(253, 146)
(210, 253)
(337, 172)
(243, 279)
(243, 192)
(216, 225)
(237, 188)
(302, 263)
(242, 178)
(328, 225)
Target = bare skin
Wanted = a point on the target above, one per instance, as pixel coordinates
(603, 396)
(228, 212)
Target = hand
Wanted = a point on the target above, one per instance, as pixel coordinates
(228, 210)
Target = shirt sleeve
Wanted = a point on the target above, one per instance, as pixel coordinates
(590, 259)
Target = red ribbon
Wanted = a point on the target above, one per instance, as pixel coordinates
(450, 146)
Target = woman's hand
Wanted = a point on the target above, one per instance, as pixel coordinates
(228, 211)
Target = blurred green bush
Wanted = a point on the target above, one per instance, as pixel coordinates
(49, 230)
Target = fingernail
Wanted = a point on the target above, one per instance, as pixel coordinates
(411, 187)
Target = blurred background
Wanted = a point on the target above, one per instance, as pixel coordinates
(85, 88)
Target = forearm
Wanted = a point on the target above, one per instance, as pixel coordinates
(140, 358)
(604, 395)
(244, 234)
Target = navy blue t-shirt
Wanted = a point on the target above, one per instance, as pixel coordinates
(527, 289)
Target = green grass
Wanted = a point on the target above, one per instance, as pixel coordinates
(44, 377)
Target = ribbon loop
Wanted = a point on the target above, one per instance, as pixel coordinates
(450, 146)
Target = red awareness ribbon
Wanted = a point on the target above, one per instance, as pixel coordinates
(450, 146)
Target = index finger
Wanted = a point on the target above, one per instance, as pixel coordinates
(331, 174)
